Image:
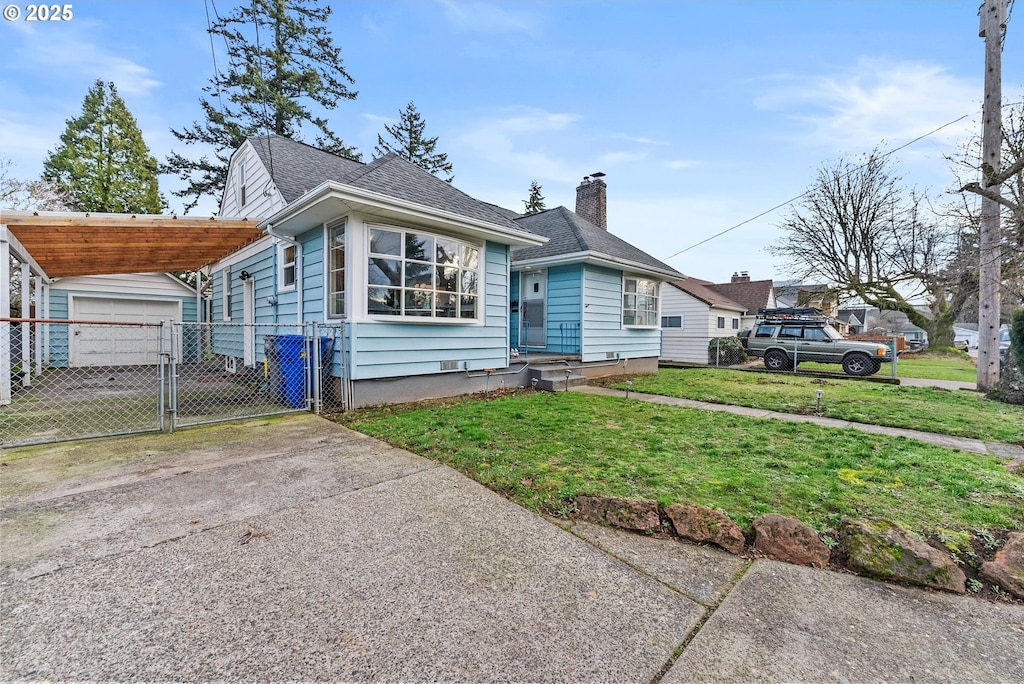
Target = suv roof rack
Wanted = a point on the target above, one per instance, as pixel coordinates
(806, 313)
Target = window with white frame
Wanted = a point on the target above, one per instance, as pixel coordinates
(639, 302)
(225, 276)
(285, 267)
(241, 183)
(672, 322)
(735, 324)
(721, 322)
(336, 269)
(417, 274)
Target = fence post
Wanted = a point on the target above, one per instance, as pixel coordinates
(895, 357)
(161, 369)
(316, 379)
(172, 401)
(796, 354)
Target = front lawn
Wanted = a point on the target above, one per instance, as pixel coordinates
(959, 413)
(956, 366)
(542, 449)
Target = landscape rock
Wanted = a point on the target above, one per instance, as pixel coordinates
(1007, 570)
(1010, 389)
(884, 550)
(702, 525)
(640, 515)
(789, 540)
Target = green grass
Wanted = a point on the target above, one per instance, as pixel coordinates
(956, 366)
(542, 449)
(959, 413)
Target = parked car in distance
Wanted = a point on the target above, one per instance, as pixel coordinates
(960, 345)
(783, 338)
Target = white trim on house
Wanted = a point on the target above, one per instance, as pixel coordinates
(338, 199)
(596, 259)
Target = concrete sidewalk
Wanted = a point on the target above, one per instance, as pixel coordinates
(296, 549)
(977, 446)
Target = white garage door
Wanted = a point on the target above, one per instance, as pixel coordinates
(119, 345)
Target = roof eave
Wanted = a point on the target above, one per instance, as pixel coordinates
(599, 259)
(360, 199)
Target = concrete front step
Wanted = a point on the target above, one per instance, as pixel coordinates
(551, 377)
(556, 384)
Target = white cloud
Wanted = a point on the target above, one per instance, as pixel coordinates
(488, 17)
(875, 101)
(681, 164)
(73, 52)
(514, 141)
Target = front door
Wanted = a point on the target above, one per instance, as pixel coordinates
(532, 309)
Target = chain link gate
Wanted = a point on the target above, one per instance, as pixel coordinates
(75, 380)
(104, 379)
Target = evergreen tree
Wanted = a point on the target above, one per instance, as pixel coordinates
(284, 60)
(409, 142)
(535, 204)
(102, 163)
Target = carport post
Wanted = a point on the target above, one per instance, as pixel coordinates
(5, 312)
(26, 328)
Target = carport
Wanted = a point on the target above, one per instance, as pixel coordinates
(51, 245)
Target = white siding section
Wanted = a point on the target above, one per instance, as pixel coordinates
(700, 324)
(152, 284)
(261, 196)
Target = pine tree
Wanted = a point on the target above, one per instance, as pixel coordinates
(102, 163)
(535, 204)
(285, 60)
(409, 142)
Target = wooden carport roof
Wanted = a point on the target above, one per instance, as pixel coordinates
(75, 244)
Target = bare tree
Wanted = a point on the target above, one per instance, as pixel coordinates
(965, 210)
(871, 239)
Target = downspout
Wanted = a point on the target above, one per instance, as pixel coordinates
(299, 280)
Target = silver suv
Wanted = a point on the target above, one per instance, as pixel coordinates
(786, 339)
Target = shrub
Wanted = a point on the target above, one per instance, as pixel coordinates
(726, 351)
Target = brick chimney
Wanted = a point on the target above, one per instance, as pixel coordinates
(592, 200)
(741, 277)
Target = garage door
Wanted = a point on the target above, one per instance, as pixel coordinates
(119, 345)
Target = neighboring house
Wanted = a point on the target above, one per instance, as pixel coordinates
(695, 311)
(850, 321)
(967, 332)
(797, 294)
(888, 323)
(586, 292)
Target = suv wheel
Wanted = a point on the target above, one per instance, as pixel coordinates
(776, 360)
(859, 364)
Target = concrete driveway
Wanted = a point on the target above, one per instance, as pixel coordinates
(292, 548)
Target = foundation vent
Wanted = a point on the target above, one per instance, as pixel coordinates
(449, 365)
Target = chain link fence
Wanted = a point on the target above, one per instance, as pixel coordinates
(100, 379)
(82, 380)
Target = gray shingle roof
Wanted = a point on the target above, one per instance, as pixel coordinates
(571, 234)
(298, 168)
(751, 295)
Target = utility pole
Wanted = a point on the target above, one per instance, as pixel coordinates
(993, 19)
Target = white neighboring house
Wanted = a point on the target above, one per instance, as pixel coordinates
(691, 315)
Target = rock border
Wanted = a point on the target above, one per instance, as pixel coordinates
(873, 548)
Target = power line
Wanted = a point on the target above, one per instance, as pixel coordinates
(213, 51)
(263, 90)
(807, 192)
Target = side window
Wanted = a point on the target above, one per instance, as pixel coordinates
(721, 322)
(765, 331)
(671, 321)
(286, 267)
(815, 334)
(791, 332)
(241, 184)
(735, 324)
(226, 280)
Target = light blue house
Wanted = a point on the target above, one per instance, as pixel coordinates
(427, 285)
(586, 292)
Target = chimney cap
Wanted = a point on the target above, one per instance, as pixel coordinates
(597, 174)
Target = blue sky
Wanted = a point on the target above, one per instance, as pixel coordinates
(702, 114)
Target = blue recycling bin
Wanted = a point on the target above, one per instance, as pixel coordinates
(291, 355)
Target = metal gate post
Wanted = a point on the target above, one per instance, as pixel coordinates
(315, 378)
(161, 369)
(173, 378)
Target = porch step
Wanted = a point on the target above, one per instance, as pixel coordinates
(551, 377)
